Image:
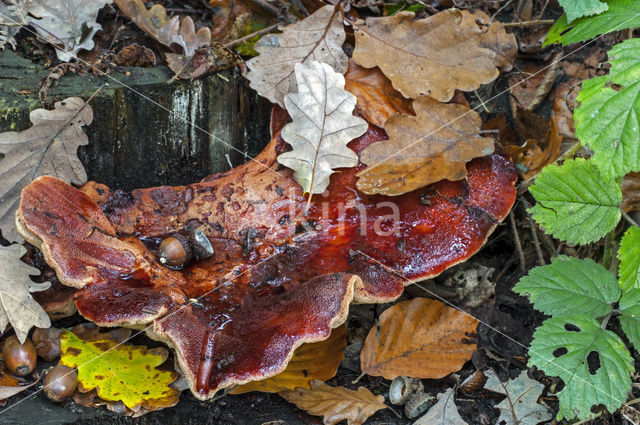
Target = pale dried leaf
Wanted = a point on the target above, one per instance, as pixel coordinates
(47, 148)
(434, 145)
(168, 32)
(521, 405)
(10, 386)
(444, 412)
(323, 124)
(316, 38)
(13, 16)
(16, 304)
(336, 404)
(69, 25)
(432, 56)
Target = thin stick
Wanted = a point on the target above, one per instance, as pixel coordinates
(481, 101)
(253, 34)
(529, 23)
(518, 244)
(546, 240)
(534, 236)
(267, 6)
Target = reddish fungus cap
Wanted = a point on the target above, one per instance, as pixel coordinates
(278, 278)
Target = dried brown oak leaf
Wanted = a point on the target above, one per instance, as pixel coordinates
(336, 404)
(317, 360)
(433, 145)
(16, 304)
(47, 148)
(316, 38)
(166, 31)
(377, 99)
(422, 338)
(323, 124)
(435, 55)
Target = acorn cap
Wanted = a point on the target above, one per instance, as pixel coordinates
(200, 244)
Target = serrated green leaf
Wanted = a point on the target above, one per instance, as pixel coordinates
(622, 14)
(608, 117)
(629, 256)
(570, 286)
(574, 203)
(629, 308)
(562, 347)
(578, 8)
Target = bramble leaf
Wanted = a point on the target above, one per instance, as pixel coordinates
(630, 318)
(629, 256)
(120, 372)
(570, 286)
(578, 8)
(622, 14)
(593, 363)
(608, 117)
(574, 203)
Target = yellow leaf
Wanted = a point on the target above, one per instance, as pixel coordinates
(318, 360)
(421, 338)
(336, 404)
(120, 372)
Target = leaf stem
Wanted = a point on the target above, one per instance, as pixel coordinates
(253, 34)
(605, 321)
(628, 218)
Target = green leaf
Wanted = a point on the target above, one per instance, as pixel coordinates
(622, 14)
(593, 363)
(574, 203)
(578, 8)
(570, 286)
(120, 372)
(607, 119)
(630, 319)
(629, 256)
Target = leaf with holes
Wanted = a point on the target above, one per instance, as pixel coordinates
(421, 338)
(13, 16)
(316, 360)
(48, 147)
(578, 8)
(629, 307)
(323, 124)
(629, 256)
(434, 56)
(336, 404)
(570, 286)
(433, 145)
(68, 25)
(520, 407)
(594, 364)
(318, 37)
(16, 304)
(621, 15)
(608, 117)
(574, 203)
(120, 372)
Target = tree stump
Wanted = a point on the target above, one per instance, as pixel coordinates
(146, 132)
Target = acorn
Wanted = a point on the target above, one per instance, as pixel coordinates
(178, 250)
(20, 359)
(402, 388)
(60, 383)
(418, 403)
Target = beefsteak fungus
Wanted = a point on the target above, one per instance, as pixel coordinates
(278, 277)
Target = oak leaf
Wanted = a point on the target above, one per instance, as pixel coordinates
(16, 304)
(433, 145)
(317, 360)
(120, 372)
(316, 38)
(377, 99)
(421, 338)
(47, 148)
(520, 407)
(13, 16)
(434, 55)
(323, 124)
(166, 31)
(69, 25)
(336, 404)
